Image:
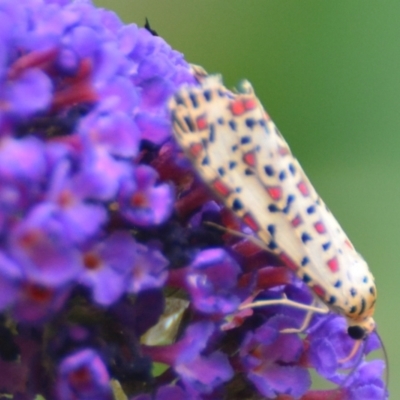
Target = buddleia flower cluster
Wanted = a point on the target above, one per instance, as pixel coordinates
(111, 284)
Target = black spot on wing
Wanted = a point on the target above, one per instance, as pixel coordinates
(177, 121)
(310, 210)
(193, 99)
(271, 229)
(304, 261)
(207, 95)
(372, 290)
(205, 161)
(273, 208)
(189, 124)
(363, 305)
(232, 164)
(232, 125)
(272, 245)
(269, 170)
(250, 122)
(237, 205)
(332, 300)
(211, 136)
(245, 140)
(179, 101)
(289, 201)
(305, 237)
(326, 246)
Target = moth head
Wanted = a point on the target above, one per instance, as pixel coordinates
(360, 329)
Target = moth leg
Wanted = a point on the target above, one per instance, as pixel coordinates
(353, 352)
(286, 302)
(307, 319)
(250, 238)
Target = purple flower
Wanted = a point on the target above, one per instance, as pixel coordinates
(211, 280)
(108, 265)
(199, 372)
(148, 271)
(80, 219)
(83, 376)
(329, 345)
(364, 383)
(111, 128)
(37, 303)
(22, 160)
(144, 203)
(31, 301)
(43, 250)
(26, 93)
(270, 359)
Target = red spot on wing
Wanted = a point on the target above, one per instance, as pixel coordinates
(348, 244)
(303, 188)
(333, 264)
(319, 291)
(201, 123)
(195, 149)
(288, 261)
(320, 227)
(251, 222)
(275, 192)
(220, 188)
(250, 104)
(283, 151)
(296, 221)
(249, 159)
(237, 107)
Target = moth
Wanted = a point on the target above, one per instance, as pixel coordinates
(239, 153)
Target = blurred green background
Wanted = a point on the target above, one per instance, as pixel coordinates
(328, 73)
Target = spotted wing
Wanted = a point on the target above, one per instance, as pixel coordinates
(206, 128)
(329, 263)
(241, 155)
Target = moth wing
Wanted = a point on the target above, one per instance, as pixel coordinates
(211, 129)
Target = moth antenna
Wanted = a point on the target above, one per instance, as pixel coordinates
(360, 358)
(350, 374)
(385, 356)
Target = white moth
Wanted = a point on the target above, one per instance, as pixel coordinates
(240, 154)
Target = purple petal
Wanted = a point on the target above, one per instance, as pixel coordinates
(30, 93)
(153, 128)
(85, 373)
(292, 381)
